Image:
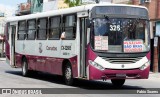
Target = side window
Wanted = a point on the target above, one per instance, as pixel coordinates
(21, 30)
(42, 29)
(69, 26)
(54, 28)
(31, 29)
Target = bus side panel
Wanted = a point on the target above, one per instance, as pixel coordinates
(54, 65)
(32, 62)
(18, 60)
(30, 59)
(49, 65)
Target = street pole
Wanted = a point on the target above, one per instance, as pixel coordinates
(155, 65)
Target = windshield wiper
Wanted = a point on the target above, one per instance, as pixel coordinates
(108, 19)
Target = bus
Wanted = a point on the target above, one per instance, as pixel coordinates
(92, 42)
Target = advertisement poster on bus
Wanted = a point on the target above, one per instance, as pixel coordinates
(101, 42)
(133, 46)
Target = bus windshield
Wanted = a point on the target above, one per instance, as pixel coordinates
(120, 35)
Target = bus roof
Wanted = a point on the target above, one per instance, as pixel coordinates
(64, 11)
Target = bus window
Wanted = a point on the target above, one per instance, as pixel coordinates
(54, 31)
(69, 26)
(31, 29)
(22, 30)
(42, 29)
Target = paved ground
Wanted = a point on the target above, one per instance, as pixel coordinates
(12, 78)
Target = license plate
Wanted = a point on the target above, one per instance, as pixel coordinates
(120, 75)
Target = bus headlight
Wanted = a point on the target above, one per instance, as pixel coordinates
(144, 66)
(96, 65)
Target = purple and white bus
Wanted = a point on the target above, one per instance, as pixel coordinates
(93, 42)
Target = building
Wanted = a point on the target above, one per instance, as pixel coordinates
(2, 24)
(23, 8)
(35, 6)
(121, 1)
(58, 4)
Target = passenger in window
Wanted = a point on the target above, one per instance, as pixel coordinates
(63, 36)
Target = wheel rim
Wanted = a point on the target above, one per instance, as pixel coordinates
(68, 73)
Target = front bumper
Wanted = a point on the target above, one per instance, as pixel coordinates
(95, 74)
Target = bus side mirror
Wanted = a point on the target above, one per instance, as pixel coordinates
(88, 21)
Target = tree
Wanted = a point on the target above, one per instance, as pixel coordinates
(73, 3)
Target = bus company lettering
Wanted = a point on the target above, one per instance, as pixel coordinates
(133, 46)
(51, 48)
(65, 47)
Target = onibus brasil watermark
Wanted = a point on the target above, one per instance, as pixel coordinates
(147, 91)
(35, 91)
(21, 91)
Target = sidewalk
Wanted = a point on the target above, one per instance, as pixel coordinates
(154, 75)
(2, 59)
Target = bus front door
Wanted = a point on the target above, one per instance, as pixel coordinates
(83, 46)
(12, 46)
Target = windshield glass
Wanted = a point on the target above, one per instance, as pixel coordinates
(120, 35)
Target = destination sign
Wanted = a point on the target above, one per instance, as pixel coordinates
(133, 46)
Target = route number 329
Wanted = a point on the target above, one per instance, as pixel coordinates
(115, 28)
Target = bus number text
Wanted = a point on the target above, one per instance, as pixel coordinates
(115, 28)
(65, 47)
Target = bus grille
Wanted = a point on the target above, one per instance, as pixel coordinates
(122, 60)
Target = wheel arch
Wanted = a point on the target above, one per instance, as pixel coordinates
(64, 63)
(23, 58)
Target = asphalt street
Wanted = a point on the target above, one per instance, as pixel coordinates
(12, 78)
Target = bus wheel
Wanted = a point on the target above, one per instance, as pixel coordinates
(68, 77)
(118, 82)
(25, 71)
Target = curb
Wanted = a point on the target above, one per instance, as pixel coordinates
(2, 59)
(154, 75)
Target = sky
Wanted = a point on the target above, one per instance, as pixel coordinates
(9, 6)
(12, 3)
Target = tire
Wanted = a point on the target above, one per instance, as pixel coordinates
(68, 76)
(25, 71)
(118, 82)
